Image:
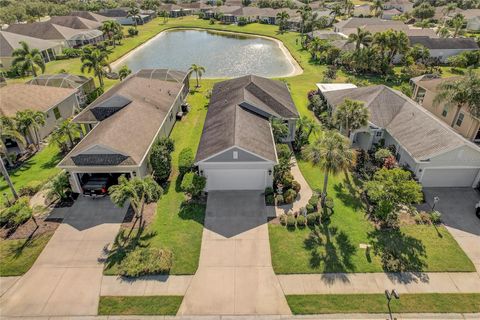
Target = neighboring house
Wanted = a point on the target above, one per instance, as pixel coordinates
(401, 5)
(326, 35)
(83, 85)
(436, 154)
(237, 148)
(443, 48)
(196, 7)
(176, 11)
(123, 124)
(90, 16)
(231, 14)
(473, 19)
(57, 103)
(121, 15)
(425, 89)
(391, 13)
(11, 41)
(362, 10)
(65, 36)
(375, 25)
(75, 22)
(295, 19)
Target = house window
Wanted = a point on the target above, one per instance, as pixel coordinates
(460, 118)
(57, 114)
(378, 133)
(235, 154)
(445, 111)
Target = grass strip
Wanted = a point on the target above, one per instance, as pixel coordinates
(144, 305)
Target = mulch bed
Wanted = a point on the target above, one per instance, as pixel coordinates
(148, 216)
(29, 228)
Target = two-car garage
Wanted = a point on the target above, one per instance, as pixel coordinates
(449, 177)
(236, 179)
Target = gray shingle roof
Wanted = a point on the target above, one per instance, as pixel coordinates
(238, 116)
(444, 43)
(75, 22)
(10, 41)
(418, 131)
(101, 160)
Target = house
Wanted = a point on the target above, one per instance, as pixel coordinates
(443, 48)
(362, 10)
(196, 7)
(326, 35)
(436, 154)
(237, 148)
(121, 15)
(473, 19)
(176, 11)
(75, 22)
(400, 5)
(65, 36)
(375, 25)
(425, 89)
(90, 16)
(9, 42)
(58, 104)
(391, 13)
(123, 124)
(83, 85)
(295, 19)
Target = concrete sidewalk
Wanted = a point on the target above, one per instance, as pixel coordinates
(346, 283)
(162, 285)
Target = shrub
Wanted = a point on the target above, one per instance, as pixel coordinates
(302, 211)
(381, 154)
(289, 196)
(301, 221)
(287, 181)
(436, 217)
(314, 201)
(311, 219)
(132, 32)
(242, 21)
(270, 200)
(58, 187)
(30, 189)
(291, 221)
(161, 159)
(296, 186)
(193, 184)
(17, 213)
(145, 261)
(283, 151)
(279, 199)
(310, 208)
(185, 161)
(269, 191)
(283, 219)
(166, 143)
(72, 52)
(329, 202)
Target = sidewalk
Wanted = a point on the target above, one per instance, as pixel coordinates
(346, 283)
(162, 285)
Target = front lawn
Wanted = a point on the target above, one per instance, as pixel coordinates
(376, 303)
(421, 247)
(145, 305)
(18, 256)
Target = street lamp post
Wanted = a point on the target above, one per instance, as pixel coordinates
(389, 295)
(435, 201)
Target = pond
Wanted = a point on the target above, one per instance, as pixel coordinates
(224, 55)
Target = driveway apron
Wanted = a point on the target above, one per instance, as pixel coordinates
(235, 274)
(66, 278)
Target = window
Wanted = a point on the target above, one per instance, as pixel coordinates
(378, 133)
(57, 114)
(445, 111)
(235, 154)
(460, 118)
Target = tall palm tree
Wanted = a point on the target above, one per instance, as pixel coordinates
(27, 120)
(8, 130)
(164, 14)
(457, 23)
(449, 8)
(282, 18)
(398, 43)
(463, 92)
(349, 6)
(332, 154)
(137, 191)
(199, 70)
(351, 115)
(317, 45)
(335, 11)
(134, 13)
(305, 12)
(67, 129)
(377, 7)
(28, 59)
(94, 60)
(362, 37)
(443, 32)
(110, 28)
(381, 41)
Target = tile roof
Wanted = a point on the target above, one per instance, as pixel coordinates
(419, 132)
(18, 97)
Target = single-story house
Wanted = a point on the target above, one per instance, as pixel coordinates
(425, 89)
(375, 25)
(326, 35)
(175, 10)
(90, 16)
(83, 85)
(58, 104)
(391, 13)
(9, 42)
(436, 154)
(123, 124)
(237, 148)
(196, 7)
(362, 10)
(443, 48)
(295, 19)
(75, 22)
(401, 5)
(473, 19)
(121, 15)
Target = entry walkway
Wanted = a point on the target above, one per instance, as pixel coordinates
(66, 278)
(235, 274)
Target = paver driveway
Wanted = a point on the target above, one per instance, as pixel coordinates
(65, 280)
(235, 274)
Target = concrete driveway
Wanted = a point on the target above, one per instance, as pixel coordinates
(235, 274)
(65, 280)
(457, 206)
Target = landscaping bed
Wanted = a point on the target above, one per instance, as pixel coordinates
(144, 305)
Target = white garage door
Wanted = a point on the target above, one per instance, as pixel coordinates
(461, 177)
(236, 179)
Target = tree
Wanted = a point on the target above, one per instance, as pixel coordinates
(27, 120)
(305, 127)
(8, 130)
(165, 15)
(246, 3)
(138, 191)
(58, 187)
(362, 37)
(124, 72)
(316, 46)
(279, 129)
(28, 59)
(458, 23)
(282, 19)
(335, 11)
(134, 13)
(377, 7)
(110, 28)
(351, 115)
(193, 184)
(67, 130)
(391, 188)
(161, 159)
(305, 12)
(199, 70)
(424, 11)
(443, 32)
(449, 8)
(463, 92)
(398, 43)
(419, 53)
(94, 60)
(332, 154)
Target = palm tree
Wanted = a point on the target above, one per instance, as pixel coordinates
(335, 11)
(443, 32)
(137, 191)
(96, 60)
(351, 115)
(349, 6)
(27, 120)
(199, 70)
(381, 41)
(457, 23)
(134, 13)
(28, 59)
(110, 28)
(317, 45)
(463, 92)
(449, 8)
(124, 72)
(67, 129)
(58, 187)
(377, 7)
(8, 130)
(164, 14)
(398, 43)
(332, 154)
(305, 12)
(362, 37)
(282, 18)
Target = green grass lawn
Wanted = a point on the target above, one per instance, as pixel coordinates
(17, 256)
(147, 305)
(422, 248)
(376, 303)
